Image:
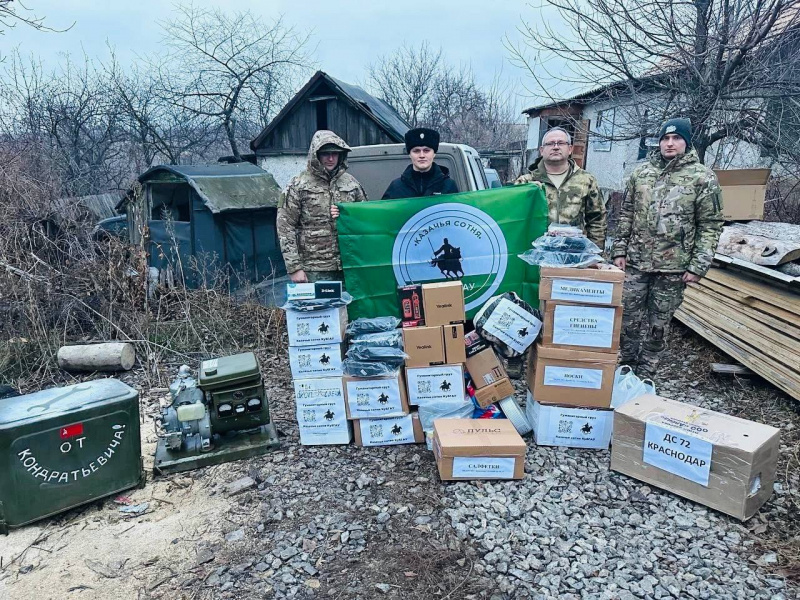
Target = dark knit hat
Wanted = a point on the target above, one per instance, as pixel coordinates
(681, 127)
(422, 137)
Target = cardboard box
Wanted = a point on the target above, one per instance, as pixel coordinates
(375, 397)
(485, 368)
(478, 449)
(311, 291)
(412, 309)
(455, 350)
(490, 394)
(314, 328)
(444, 303)
(723, 462)
(569, 426)
(391, 431)
(572, 327)
(571, 377)
(599, 285)
(432, 385)
(316, 361)
(513, 325)
(743, 192)
(321, 412)
(424, 346)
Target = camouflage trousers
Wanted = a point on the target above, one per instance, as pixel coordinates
(649, 301)
(314, 276)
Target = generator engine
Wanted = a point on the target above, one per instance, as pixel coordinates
(222, 414)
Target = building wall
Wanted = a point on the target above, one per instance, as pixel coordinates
(283, 166)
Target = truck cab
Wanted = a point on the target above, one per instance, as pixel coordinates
(376, 166)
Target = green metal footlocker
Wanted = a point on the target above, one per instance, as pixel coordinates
(63, 447)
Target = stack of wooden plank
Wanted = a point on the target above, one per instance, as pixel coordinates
(753, 321)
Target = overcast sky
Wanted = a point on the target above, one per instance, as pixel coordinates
(348, 35)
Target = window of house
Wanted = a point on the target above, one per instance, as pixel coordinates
(604, 130)
(322, 114)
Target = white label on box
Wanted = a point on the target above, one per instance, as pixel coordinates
(572, 290)
(591, 379)
(314, 391)
(677, 452)
(435, 385)
(569, 427)
(322, 424)
(583, 326)
(313, 328)
(316, 361)
(370, 398)
(387, 432)
(513, 325)
(483, 467)
(300, 291)
(488, 378)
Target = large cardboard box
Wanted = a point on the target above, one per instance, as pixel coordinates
(723, 462)
(424, 346)
(455, 350)
(494, 392)
(444, 303)
(743, 192)
(573, 327)
(432, 385)
(321, 413)
(376, 397)
(569, 426)
(478, 449)
(484, 366)
(571, 377)
(313, 328)
(600, 285)
(391, 431)
(316, 361)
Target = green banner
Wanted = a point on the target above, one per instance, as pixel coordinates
(472, 236)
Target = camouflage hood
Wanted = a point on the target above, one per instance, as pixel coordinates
(320, 139)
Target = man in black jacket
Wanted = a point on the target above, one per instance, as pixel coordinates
(422, 177)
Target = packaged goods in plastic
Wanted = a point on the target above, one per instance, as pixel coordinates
(393, 356)
(515, 414)
(459, 409)
(509, 323)
(628, 386)
(315, 304)
(723, 462)
(554, 249)
(387, 339)
(369, 368)
(364, 326)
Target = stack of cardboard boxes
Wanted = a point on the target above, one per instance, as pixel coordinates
(315, 355)
(571, 372)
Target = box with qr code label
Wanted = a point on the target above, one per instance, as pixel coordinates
(390, 431)
(316, 361)
(569, 426)
(321, 413)
(376, 397)
(432, 385)
(316, 327)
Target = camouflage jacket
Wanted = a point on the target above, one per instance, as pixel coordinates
(577, 202)
(306, 230)
(670, 220)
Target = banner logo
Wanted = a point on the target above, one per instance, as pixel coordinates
(452, 241)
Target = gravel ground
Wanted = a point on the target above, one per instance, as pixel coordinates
(345, 522)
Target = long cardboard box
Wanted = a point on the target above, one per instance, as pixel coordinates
(569, 426)
(321, 413)
(571, 377)
(478, 449)
(573, 327)
(455, 350)
(444, 303)
(391, 431)
(424, 346)
(316, 361)
(376, 397)
(432, 385)
(600, 285)
(313, 328)
(723, 462)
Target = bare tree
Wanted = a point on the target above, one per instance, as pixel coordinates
(232, 69)
(729, 65)
(13, 12)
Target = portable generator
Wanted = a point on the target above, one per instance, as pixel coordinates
(67, 446)
(221, 415)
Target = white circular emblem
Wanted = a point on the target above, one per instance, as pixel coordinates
(671, 129)
(452, 241)
(422, 136)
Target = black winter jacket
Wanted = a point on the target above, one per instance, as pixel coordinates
(412, 184)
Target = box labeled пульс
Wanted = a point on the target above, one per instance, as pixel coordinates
(478, 449)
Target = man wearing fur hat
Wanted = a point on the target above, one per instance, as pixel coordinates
(307, 212)
(669, 226)
(423, 177)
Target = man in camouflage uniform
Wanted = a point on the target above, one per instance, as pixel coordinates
(573, 197)
(669, 226)
(307, 212)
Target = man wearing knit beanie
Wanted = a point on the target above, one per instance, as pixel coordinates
(669, 226)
